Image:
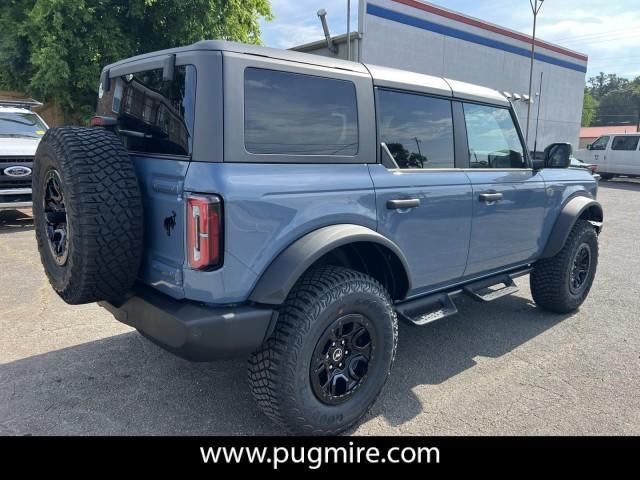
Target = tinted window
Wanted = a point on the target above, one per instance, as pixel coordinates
(294, 114)
(154, 116)
(418, 130)
(600, 144)
(625, 143)
(493, 139)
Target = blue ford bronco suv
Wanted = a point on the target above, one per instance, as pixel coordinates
(233, 199)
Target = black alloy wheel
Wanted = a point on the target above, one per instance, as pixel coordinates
(55, 212)
(342, 358)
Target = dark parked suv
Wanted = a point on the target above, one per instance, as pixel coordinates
(235, 199)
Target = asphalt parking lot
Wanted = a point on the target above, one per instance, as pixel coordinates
(502, 368)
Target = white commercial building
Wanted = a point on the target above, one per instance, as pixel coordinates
(421, 37)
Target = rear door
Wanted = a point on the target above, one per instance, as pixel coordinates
(156, 123)
(424, 205)
(623, 157)
(509, 198)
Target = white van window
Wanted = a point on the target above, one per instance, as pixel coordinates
(600, 144)
(628, 142)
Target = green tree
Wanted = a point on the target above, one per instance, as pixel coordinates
(589, 108)
(604, 83)
(55, 49)
(620, 106)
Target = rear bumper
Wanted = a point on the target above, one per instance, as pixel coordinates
(192, 330)
(12, 198)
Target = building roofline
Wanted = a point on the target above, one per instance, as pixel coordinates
(475, 22)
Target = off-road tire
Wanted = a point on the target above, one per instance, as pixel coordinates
(104, 213)
(550, 279)
(279, 373)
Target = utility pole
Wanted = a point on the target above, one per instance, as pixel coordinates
(349, 30)
(536, 5)
(539, 95)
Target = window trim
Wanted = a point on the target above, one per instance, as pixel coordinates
(233, 98)
(460, 139)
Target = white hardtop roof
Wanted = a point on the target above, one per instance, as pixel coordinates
(404, 80)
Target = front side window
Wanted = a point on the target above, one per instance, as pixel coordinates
(417, 129)
(628, 142)
(493, 138)
(294, 114)
(600, 144)
(154, 116)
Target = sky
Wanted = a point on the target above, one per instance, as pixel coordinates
(608, 31)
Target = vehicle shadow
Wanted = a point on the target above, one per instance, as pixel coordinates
(126, 385)
(15, 220)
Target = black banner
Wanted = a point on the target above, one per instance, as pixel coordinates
(284, 454)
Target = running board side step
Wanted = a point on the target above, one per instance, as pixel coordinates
(428, 309)
(440, 305)
(481, 290)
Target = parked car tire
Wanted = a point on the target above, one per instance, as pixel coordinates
(87, 211)
(329, 355)
(561, 283)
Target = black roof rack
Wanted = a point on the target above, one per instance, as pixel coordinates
(27, 103)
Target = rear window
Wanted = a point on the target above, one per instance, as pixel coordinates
(154, 116)
(295, 114)
(625, 143)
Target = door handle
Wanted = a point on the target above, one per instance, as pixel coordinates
(403, 203)
(490, 197)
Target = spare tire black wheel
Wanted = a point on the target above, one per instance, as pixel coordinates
(87, 211)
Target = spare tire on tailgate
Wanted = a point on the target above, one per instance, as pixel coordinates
(87, 211)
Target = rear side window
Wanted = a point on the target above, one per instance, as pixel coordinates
(295, 114)
(418, 130)
(628, 142)
(154, 116)
(493, 139)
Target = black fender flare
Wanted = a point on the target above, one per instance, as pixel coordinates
(278, 279)
(567, 218)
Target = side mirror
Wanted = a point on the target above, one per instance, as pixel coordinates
(588, 146)
(557, 155)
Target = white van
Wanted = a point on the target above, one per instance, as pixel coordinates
(615, 154)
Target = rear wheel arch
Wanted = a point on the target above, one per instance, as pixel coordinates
(577, 208)
(352, 246)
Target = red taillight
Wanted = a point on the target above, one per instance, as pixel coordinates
(100, 121)
(204, 231)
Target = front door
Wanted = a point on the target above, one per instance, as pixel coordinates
(423, 205)
(509, 199)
